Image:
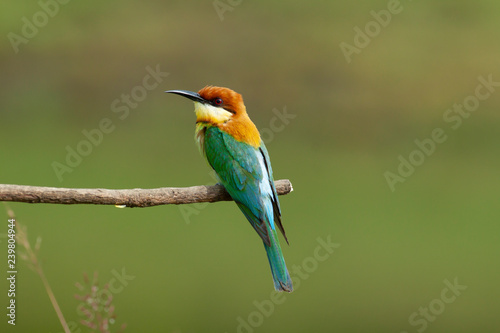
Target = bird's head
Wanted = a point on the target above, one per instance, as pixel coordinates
(223, 108)
(215, 105)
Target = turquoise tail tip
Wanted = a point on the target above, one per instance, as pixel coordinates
(281, 278)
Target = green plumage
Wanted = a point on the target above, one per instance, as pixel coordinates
(245, 172)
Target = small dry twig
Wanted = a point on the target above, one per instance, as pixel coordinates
(31, 257)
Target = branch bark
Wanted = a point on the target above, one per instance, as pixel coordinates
(130, 198)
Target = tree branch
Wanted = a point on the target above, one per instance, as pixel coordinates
(131, 198)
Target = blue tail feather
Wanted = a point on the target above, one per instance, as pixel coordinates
(281, 278)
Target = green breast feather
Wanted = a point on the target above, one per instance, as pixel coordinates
(239, 170)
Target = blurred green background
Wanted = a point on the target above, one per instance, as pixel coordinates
(201, 268)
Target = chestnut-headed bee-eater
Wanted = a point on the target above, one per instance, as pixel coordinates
(234, 149)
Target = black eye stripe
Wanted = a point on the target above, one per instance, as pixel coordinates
(229, 110)
(219, 102)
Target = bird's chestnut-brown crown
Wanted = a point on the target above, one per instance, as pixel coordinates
(224, 98)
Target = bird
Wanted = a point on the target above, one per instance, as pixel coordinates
(233, 147)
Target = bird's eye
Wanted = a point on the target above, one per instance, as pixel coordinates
(218, 101)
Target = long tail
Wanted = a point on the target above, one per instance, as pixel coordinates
(282, 280)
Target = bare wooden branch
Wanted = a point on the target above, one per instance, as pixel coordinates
(131, 198)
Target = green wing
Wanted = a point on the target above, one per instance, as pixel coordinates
(238, 167)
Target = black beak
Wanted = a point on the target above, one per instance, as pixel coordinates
(195, 97)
